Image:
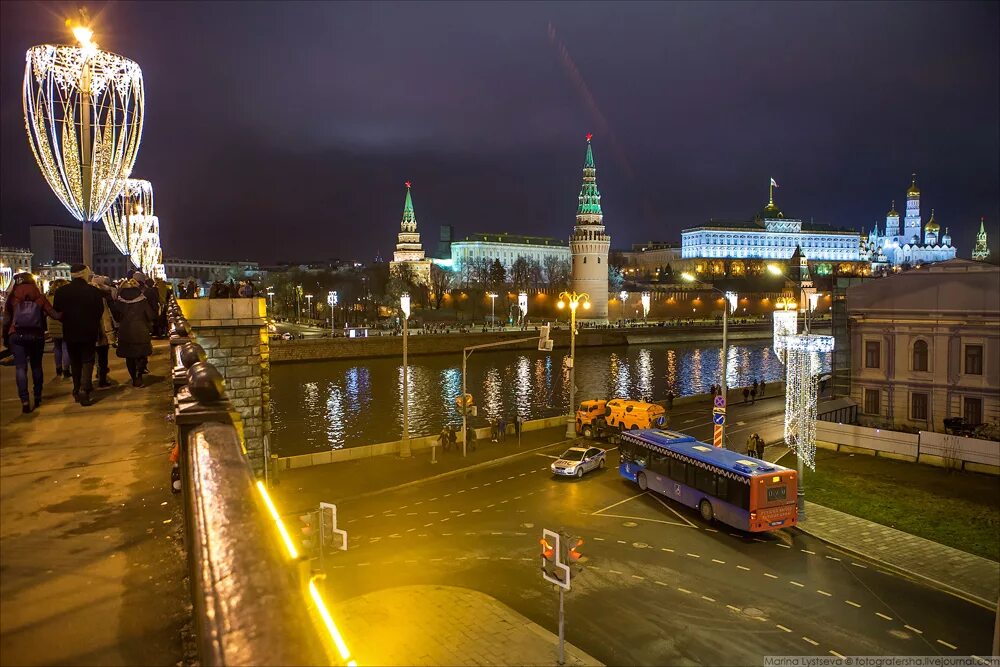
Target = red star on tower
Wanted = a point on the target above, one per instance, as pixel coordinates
(408, 184)
(589, 136)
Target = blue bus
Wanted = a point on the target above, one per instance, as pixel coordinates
(737, 490)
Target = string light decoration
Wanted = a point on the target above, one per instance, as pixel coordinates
(803, 364)
(147, 255)
(786, 323)
(645, 300)
(6, 277)
(83, 112)
(124, 218)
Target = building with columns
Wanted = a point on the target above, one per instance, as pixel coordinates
(925, 346)
(589, 245)
(409, 250)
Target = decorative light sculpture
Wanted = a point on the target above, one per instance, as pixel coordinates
(522, 303)
(645, 304)
(786, 323)
(148, 254)
(83, 112)
(803, 364)
(6, 277)
(136, 199)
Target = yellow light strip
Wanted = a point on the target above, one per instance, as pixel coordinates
(331, 627)
(292, 551)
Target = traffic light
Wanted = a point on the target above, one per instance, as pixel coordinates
(308, 529)
(328, 531)
(554, 567)
(544, 342)
(572, 546)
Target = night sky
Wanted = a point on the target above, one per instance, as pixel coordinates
(284, 131)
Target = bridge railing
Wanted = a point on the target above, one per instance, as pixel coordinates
(254, 597)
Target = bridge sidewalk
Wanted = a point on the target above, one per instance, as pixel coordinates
(90, 536)
(445, 625)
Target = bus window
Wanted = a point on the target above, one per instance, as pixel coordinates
(739, 495)
(658, 463)
(705, 481)
(722, 487)
(677, 470)
(690, 475)
(627, 451)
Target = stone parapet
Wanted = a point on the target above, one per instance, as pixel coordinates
(233, 333)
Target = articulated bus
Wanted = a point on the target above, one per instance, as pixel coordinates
(737, 490)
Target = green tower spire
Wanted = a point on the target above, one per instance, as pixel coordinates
(409, 223)
(590, 197)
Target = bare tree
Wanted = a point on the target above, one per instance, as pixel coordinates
(536, 277)
(441, 280)
(557, 272)
(519, 278)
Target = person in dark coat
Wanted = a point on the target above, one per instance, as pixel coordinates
(82, 306)
(25, 334)
(135, 317)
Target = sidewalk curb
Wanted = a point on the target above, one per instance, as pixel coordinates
(451, 473)
(572, 651)
(909, 574)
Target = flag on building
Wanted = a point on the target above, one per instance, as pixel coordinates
(773, 183)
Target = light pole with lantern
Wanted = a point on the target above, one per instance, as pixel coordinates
(729, 301)
(404, 306)
(645, 299)
(623, 295)
(331, 300)
(573, 300)
(493, 307)
(309, 306)
(522, 305)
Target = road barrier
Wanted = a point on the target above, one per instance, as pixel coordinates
(255, 599)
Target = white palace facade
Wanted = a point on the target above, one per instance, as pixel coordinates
(770, 236)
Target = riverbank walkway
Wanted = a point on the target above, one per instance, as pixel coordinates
(90, 535)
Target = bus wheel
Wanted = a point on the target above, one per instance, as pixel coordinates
(707, 513)
(641, 481)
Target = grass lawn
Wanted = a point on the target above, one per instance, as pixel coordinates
(960, 509)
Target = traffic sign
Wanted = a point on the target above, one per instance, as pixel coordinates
(720, 401)
(719, 419)
(718, 411)
(717, 436)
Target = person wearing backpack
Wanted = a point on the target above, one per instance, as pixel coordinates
(26, 309)
(82, 306)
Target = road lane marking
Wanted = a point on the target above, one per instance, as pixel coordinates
(432, 500)
(823, 593)
(599, 539)
(768, 574)
(409, 561)
(913, 629)
(434, 512)
(720, 562)
(618, 503)
(741, 423)
(372, 516)
(614, 571)
(833, 558)
(428, 524)
(736, 609)
(705, 597)
(636, 576)
(944, 643)
(462, 491)
(446, 534)
(795, 583)
(661, 583)
(410, 530)
(474, 488)
(781, 627)
(363, 564)
(678, 514)
(666, 549)
(863, 567)
(489, 506)
(806, 639)
(694, 555)
(435, 560)
(690, 421)
(743, 567)
(806, 551)
(853, 604)
(881, 615)
(684, 590)
(834, 653)
(711, 530)
(411, 514)
(621, 542)
(506, 558)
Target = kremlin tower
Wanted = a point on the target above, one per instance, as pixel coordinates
(589, 245)
(409, 251)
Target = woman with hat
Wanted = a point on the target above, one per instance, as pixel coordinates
(135, 321)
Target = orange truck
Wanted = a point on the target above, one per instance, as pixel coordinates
(594, 417)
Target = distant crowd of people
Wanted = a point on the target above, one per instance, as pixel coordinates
(85, 317)
(750, 393)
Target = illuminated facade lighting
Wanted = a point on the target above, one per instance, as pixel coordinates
(803, 365)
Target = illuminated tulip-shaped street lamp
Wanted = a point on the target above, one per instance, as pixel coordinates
(404, 307)
(574, 301)
(83, 111)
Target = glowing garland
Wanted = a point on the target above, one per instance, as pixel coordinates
(803, 364)
(786, 323)
(135, 202)
(83, 111)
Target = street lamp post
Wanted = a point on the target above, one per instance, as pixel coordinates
(309, 306)
(573, 300)
(729, 299)
(493, 308)
(624, 295)
(332, 298)
(404, 305)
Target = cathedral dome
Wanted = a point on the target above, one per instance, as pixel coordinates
(946, 239)
(931, 225)
(913, 190)
(770, 212)
(892, 211)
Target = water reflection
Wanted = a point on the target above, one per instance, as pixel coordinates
(334, 404)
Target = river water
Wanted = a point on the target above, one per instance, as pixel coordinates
(333, 404)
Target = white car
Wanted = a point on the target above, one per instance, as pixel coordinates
(577, 460)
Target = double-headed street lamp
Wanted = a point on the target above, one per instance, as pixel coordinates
(730, 299)
(573, 300)
(404, 306)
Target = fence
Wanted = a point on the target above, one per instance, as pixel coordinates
(255, 600)
(924, 447)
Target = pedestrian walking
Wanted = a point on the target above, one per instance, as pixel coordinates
(443, 439)
(452, 436)
(760, 445)
(470, 438)
(493, 430)
(501, 430)
(746, 394)
(753, 395)
(82, 306)
(25, 310)
(670, 400)
(751, 446)
(518, 424)
(106, 337)
(135, 320)
(762, 387)
(56, 334)
(753, 389)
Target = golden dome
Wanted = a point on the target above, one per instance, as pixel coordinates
(932, 226)
(892, 211)
(913, 189)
